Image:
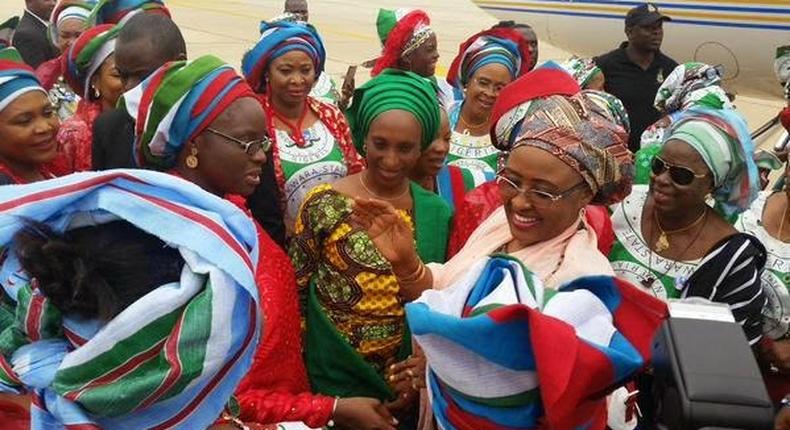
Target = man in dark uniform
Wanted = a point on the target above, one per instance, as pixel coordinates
(30, 38)
(636, 70)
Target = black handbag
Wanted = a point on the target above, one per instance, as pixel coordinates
(706, 377)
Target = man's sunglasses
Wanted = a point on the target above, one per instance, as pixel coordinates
(680, 175)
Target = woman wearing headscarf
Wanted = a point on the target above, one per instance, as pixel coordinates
(312, 142)
(563, 155)
(129, 301)
(89, 69)
(768, 219)
(121, 11)
(586, 72)
(672, 243)
(28, 123)
(355, 320)
(689, 85)
(67, 22)
(201, 121)
(409, 43)
(482, 201)
(485, 64)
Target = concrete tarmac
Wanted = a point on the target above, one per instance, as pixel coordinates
(227, 28)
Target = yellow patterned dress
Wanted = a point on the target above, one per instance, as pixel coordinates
(354, 283)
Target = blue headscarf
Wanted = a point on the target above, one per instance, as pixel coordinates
(278, 39)
(481, 50)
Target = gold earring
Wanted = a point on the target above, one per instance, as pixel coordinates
(192, 160)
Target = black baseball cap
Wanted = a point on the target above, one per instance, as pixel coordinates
(645, 14)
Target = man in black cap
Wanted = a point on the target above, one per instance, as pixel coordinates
(635, 70)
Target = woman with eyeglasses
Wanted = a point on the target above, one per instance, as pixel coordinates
(311, 139)
(207, 126)
(672, 243)
(552, 173)
(485, 64)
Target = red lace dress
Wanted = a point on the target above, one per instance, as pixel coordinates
(75, 139)
(276, 388)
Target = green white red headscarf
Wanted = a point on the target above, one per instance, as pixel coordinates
(86, 55)
(401, 31)
(692, 84)
(120, 11)
(69, 9)
(782, 64)
(582, 69)
(16, 77)
(176, 103)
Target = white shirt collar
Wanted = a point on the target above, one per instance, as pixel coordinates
(43, 21)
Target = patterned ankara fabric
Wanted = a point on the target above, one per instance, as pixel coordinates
(172, 358)
(353, 303)
(504, 352)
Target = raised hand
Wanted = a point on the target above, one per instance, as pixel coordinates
(388, 231)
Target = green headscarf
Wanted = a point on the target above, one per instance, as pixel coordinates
(394, 90)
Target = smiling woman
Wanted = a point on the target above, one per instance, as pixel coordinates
(672, 243)
(355, 319)
(485, 64)
(28, 123)
(312, 144)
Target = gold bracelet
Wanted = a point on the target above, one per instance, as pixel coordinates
(416, 275)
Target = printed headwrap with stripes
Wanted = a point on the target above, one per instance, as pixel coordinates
(721, 137)
(503, 46)
(68, 9)
(176, 103)
(173, 358)
(121, 11)
(86, 55)
(16, 77)
(545, 109)
(505, 353)
(277, 39)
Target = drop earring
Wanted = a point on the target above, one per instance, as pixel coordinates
(192, 160)
(96, 93)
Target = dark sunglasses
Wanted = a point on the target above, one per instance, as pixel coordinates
(680, 175)
(251, 148)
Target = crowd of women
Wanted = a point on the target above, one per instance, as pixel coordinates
(407, 255)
